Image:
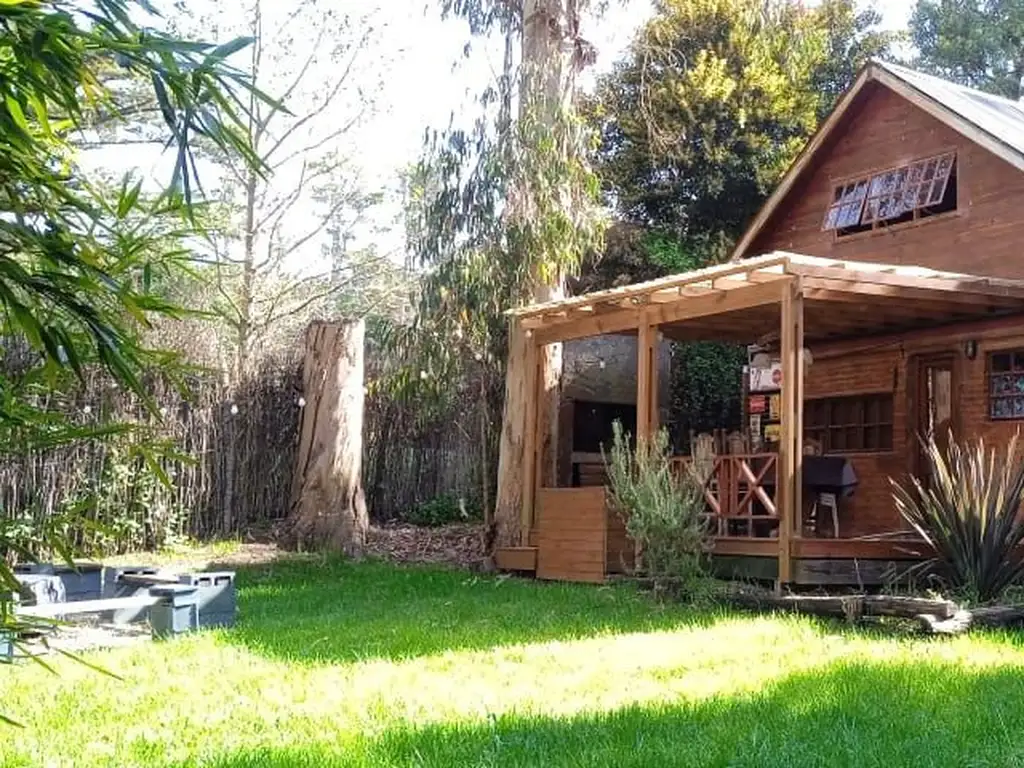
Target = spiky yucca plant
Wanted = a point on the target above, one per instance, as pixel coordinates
(970, 512)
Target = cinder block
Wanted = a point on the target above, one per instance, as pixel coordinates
(176, 613)
(114, 587)
(216, 597)
(84, 581)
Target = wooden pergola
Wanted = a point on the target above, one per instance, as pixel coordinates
(783, 300)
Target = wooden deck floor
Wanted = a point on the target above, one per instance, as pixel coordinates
(816, 562)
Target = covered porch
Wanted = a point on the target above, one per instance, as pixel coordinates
(764, 506)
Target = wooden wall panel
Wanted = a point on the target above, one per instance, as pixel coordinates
(572, 526)
(888, 368)
(983, 237)
(870, 510)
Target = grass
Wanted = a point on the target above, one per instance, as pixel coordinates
(334, 664)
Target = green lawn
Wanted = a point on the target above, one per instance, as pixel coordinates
(371, 665)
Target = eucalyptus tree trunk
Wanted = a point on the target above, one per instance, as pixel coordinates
(550, 61)
(328, 505)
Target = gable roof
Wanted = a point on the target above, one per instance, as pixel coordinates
(993, 122)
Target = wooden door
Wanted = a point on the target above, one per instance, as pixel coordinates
(935, 409)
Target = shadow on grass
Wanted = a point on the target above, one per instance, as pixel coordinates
(329, 610)
(846, 715)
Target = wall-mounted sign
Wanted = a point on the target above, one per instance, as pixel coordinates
(775, 407)
(755, 425)
(773, 433)
(766, 379)
(757, 404)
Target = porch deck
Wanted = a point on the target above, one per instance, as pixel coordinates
(579, 537)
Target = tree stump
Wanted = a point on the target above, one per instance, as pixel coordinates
(328, 508)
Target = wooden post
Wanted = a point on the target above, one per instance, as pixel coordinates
(652, 362)
(529, 440)
(785, 486)
(646, 336)
(798, 408)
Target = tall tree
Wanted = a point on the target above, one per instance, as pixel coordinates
(698, 122)
(513, 213)
(713, 101)
(976, 42)
(278, 242)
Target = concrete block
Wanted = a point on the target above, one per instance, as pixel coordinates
(176, 613)
(84, 581)
(216, 597)
(114, 587)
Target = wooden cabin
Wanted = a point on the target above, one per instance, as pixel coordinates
(886, 276)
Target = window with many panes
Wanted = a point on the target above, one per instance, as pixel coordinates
(917, 190)
(850, 424)
(1006, 384)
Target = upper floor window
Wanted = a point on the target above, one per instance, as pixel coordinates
(917, 190)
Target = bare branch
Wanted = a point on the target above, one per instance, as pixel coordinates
(328, 99)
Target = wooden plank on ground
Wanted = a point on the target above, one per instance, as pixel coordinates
(572, 534)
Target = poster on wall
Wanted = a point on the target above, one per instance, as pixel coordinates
(773, 433)
(757, 404)
(766, 379)
(755, 424)
(775, 407)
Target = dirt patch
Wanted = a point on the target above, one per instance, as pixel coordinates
(460, 545)
(84, 634)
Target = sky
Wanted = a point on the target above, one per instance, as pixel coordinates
(420, 78)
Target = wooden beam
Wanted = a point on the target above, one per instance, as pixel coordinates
(785, 485)
(643, 380)
(980, 290)
(652, 357)
(798, 409)
(733, 300)
(532, 372)
(597, 325)
(708, 274)
(886, 298)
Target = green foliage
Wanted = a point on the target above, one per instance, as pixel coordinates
(442, 510)
(706, 387)
(968, 507)
(712, 103)
(975, 42)
(77, 262)
(662, 510)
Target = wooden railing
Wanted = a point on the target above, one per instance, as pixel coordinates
(739, 490)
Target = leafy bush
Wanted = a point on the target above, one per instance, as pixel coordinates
(661, 509)
(443, 510)
(969, 511)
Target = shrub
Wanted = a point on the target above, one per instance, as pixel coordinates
(661, 509)
(969, 511)
(442, 510)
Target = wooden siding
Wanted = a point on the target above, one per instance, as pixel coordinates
(889, 368)
(572, 534)
(884, 130)
(870, 510)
